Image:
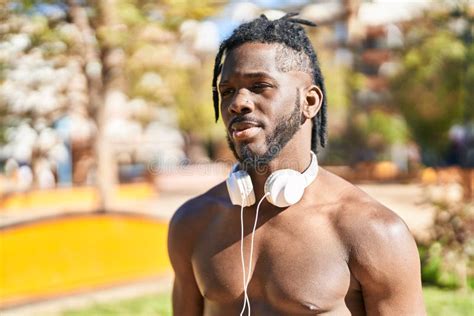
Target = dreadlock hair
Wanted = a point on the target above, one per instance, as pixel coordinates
(295, 53)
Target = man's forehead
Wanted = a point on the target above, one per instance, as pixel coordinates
(274, 59)
(251, 57)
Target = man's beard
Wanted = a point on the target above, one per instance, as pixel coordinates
(284, 131)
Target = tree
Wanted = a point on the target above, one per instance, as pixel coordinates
(433, 90)
(113, 37)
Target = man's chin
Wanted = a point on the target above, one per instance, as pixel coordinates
(253, 159)
(245, 150)
(253, 155)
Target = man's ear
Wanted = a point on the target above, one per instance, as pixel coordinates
(312, 101)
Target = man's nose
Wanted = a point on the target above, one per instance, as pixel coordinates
(241, 104)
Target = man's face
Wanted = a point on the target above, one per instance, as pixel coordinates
(260, 105)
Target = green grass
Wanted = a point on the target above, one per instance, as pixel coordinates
(148, 305)
(448, 302)
(438, 303)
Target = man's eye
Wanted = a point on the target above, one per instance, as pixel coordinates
(227, 92)
(260, 86)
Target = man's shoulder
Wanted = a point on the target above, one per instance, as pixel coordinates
(198, 211)
(381, 252)
(365, 221)
(362, 221)
(191, 219)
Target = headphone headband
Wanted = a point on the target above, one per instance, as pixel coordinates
(293, 183)
(312, 171)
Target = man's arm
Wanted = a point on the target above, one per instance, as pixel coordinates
(384, 259)
(187, 299)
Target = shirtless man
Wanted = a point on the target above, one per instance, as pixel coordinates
(334, 252)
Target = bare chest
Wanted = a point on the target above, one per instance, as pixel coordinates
(296, 266)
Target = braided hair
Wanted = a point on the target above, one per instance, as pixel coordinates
(296, 53)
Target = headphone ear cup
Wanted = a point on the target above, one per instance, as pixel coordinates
(284, 187)
(294, 189)
(240, 188)
(233, 189)
(246, 186)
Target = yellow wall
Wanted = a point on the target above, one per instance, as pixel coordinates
(75, 253)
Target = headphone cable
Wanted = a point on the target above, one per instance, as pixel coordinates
(247, 276)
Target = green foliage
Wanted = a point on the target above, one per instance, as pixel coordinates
(194, 101)
(431, 262)
(389, 128)
(334, 80)
(436, 271)
(369, 136)
(469, 83)
(447, 258)
(177, 11)
(369, 131)
(130, 14)
(434, 88)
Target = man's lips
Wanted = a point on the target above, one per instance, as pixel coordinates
(244, 129)
(240, 126)
(246, 133)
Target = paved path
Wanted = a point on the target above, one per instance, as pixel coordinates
(55, 307)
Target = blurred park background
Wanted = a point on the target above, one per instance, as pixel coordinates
(106, 127)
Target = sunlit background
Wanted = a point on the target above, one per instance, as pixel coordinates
(107, 126)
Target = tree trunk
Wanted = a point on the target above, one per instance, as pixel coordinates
(468, 179)
(93, 67)
(113, 61)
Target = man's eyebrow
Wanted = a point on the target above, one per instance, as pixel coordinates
(259, 74)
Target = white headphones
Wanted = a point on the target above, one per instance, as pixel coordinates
(283, 187)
